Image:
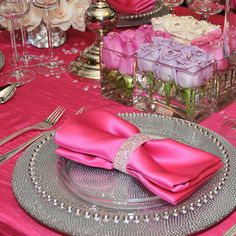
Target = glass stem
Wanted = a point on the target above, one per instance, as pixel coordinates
(49, 33)
(204, 17)
(13, 45)
(24, 41)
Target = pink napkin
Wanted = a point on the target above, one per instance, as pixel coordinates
(168, 168)
(132, 6)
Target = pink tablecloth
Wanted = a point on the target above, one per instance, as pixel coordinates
(33, 102)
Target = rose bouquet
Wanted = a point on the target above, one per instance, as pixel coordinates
(141, 66)
(118, 58)
(179, 67)
(190, 31)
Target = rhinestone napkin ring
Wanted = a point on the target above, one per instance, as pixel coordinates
(122, 156)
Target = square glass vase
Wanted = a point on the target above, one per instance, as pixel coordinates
(176, 92)
(117, 76)
(173, 91)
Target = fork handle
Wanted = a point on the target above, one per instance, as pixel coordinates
(13, 152)
(14, 135)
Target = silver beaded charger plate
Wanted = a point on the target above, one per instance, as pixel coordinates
(38, 187)
(2, 60)
(142, 18)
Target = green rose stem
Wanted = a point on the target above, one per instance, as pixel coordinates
(189, 96)
(151, 85)
(129, 85)
(167, 87)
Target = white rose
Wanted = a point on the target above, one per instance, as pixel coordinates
(78, 20)
(176, 27)
(195, 29)
(183, 28)
(4, 23)
(33, 18)
(61, 16)
(158, 22)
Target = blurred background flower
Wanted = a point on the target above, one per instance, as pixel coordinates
(68, 13)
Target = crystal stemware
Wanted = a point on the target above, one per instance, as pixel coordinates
(171, 4)
(11, 11)
(27, 57)
(53, 66)
(205, 8)
(228, 126)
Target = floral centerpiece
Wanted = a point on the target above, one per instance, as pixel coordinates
(144, 66)
(177, 67)
(118, 61)
(190, 31)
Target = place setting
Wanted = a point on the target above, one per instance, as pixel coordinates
(117, 140)
(78, 182)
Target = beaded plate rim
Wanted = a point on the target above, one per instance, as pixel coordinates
(117, 217)
(142, 18)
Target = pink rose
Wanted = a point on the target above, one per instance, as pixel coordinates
(112, 50)
(127, 60)
(147, 33)
(148, 55)
(128, 34)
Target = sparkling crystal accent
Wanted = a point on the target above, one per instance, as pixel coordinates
(122, 156)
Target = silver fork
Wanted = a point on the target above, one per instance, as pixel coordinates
(49, 122)
(13, 152)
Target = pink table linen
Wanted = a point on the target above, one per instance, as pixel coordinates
(35, 101)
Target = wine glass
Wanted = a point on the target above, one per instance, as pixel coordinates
(228, 126)
(171, 4)
(53, 66)
(12, 10)
(205, 8)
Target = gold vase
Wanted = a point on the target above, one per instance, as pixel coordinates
(99, 18)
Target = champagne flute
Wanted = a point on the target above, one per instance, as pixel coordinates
(12, 10)
(53, 66)
(205, 8)
(228, 126)
(171, 4)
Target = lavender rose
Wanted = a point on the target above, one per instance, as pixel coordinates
(167, 63)
(119, 50)
(148, 55)
(194, 66)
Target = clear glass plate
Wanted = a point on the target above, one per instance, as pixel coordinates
(106, 188)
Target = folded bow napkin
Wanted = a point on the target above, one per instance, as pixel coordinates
(168, 168)
(132, 6)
